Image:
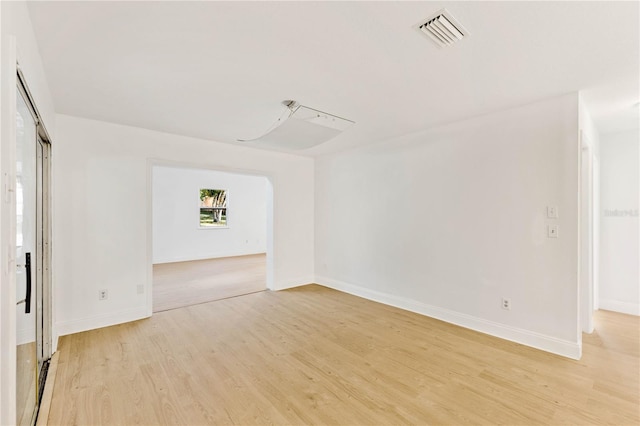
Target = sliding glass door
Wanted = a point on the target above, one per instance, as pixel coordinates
(32, 260)
(26, 217)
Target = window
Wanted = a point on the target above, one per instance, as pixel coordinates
(213, 208)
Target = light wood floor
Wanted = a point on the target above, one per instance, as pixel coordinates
(181, 284)
(311, 355)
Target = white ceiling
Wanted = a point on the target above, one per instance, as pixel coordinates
(219, 70)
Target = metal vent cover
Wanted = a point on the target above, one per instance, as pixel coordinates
(443, 29)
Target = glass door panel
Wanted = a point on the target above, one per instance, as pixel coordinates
(26, 260)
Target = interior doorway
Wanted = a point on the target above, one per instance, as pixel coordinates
(211, 235)
(33, 291)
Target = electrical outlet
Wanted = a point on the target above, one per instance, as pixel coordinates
(552, 212)
(506, 304)
(103, 294)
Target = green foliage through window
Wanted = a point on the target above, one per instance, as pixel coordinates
(213, 208)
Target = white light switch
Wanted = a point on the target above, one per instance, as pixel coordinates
(552, 231)
(552, 212)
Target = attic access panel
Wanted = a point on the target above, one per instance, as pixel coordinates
(305, 128)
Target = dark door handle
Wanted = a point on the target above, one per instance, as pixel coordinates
(27, 297)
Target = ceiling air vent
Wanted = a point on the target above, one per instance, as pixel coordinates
(443, 28)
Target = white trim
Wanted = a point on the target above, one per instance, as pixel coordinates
(99, 321)
(207, 256)
(8, 334)
(618, 306)
(296, 282)
(525, 337)
(585, 232)
(148, 286)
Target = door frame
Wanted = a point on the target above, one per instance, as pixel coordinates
(43, 282)
(153, 162)
(43, 287)
(587, 234)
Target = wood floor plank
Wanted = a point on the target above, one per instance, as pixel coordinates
(180, 284)
(312, 355)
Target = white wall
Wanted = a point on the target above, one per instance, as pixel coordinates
(448, 221)
(588, 127)
(17, 44)
(619, 232)
(103, 228)
(177, 235)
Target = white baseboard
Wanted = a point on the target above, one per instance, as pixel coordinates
(298, 282)
(617, 306)
(536, 340)
(99, 321)
(206, 256)
(76, 326)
